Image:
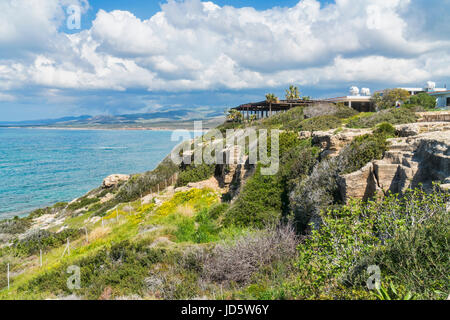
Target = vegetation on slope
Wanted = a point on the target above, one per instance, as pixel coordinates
(287, 236)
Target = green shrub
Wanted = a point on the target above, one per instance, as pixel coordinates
(44, 240)
(217, 210)
(258, 203)
(344, 112)
(298, 162)
(417, 258)
(123, 267)
(364, 149)
(392, 116)
(320, 123)
(386, 129)
(81, 203)
(146, 182)
(398, 233)
(424, 100)
(15, 226)
(195, 173)
(320, 189)
(288, 120)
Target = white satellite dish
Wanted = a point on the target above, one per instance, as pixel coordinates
(365, 91)
(430, 86)
(354, 91)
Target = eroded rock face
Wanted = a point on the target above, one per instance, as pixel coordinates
(420, 159)
(360, 184)
(333, 142)
(414, 129)
(114, 179)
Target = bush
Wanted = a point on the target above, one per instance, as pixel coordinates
(15, 226)
(217, 210)
(321, 109)
(395, 228)
(320, 123)
(344, 112)
(83, 202)
(123, 267)
(145, 183)
(258, 203)
(386, 129)
(195, 173)
(364, 149)
(236, 262)
(44, 240)
(298, 162)
(424, 100)
(418, 258)
(288, 120)
(392, 116)
(320, 189)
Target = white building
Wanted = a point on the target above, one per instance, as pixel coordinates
(442, 98)
(358, 99)
(429, 87)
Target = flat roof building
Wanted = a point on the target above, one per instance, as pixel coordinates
(442, 99)
(358, 100)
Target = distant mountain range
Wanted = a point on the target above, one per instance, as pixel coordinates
(149, 119)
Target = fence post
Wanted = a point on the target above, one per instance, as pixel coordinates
(8, 276)
(87, 236)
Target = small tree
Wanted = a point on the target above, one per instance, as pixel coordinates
(423, 99)
(234, 116)
(271, 98)
(389, 98)
(292, 93)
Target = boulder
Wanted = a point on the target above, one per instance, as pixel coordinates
(114, 179)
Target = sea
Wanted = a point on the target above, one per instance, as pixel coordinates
(39, 167)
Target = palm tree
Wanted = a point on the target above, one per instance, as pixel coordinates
(292, 93)
(271, 98)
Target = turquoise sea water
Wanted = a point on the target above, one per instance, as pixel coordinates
(39, 167)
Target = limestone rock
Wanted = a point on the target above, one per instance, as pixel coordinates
(114, 179)
(332, 142)
(419, 159)
(360, 184)
(413, 129)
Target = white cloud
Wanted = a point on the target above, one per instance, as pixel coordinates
(195, 45)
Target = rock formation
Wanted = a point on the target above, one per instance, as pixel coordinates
(114, 179)
(420, 156)
(421, 159)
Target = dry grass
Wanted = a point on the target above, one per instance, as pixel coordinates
(99, 233)
(238, 261)
(186, 210)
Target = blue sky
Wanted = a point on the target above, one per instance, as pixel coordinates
(141, 56)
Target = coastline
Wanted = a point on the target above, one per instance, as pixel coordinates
(102, 129)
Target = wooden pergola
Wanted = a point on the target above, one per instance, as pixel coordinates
(263, 108)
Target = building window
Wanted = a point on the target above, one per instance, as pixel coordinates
(448, 102)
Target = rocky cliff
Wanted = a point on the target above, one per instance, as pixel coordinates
(420, 155)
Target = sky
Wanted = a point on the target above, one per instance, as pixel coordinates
(141, 56)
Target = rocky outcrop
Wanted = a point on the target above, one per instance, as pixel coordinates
(114, 179)
(359, 185)
(433, 116)
(413, 129)
(420, 159)
(332, 142)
